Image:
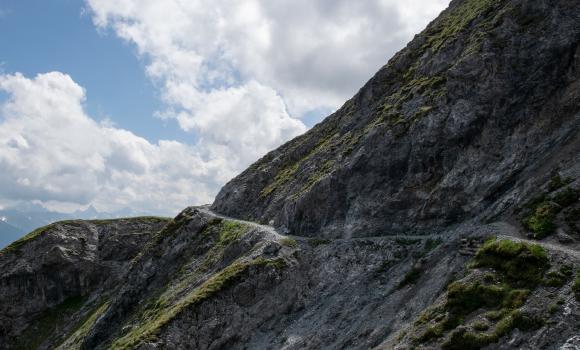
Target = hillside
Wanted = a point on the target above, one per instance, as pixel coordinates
(437, 209)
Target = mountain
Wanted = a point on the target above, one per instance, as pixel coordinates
(437, 209)
(18, 220)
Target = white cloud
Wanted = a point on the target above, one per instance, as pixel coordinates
(51, 151)
(312, 53)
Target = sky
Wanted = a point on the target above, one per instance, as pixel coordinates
(154, 105)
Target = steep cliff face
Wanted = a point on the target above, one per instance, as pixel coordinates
(437, 209)
(470, 109)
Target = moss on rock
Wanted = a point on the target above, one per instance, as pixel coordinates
(520, 262)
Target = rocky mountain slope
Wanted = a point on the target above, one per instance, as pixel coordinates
(464, 116)
(437, 209)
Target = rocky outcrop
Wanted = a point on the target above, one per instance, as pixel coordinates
(473, 107)
(59, 268)
(213, 283)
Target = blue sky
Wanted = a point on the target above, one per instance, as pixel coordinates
(43, 36)
(194, 91)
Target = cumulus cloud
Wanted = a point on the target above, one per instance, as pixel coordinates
(313, 54)
(51, 151)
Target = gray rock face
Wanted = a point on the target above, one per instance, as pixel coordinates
(64, 261)
(473, 106)
(211, 283)
(205, 282)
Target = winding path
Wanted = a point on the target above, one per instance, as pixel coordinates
(509, 232)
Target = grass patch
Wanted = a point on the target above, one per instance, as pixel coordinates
(572, 218)
(230, 231)
(457, 20)
(576, 286)
(152, 219)
(521, 263)
(160, 312)
(289, 242)
(288, 173)
(431, 244)
(476, 338)
(407, 241)
(557, 182)
(315, 242)
(555, 279)
(78, 334)
(480, 326)
(566, 197)
(542, 210)
(17, 245)
(411, 277)
(541, 221)
(497, 296)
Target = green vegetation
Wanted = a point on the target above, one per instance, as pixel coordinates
(453, 22)
(80, 331)
(541, 220)
(542, 210)
(51, 320)
(288, 173)
(480, 326)
(557, 182)
(553, 308)
(576, 286)
(555, 279)
(160, 312)
(17, 245)
(407, 241)
(153, 219)
(321, 171)
(566, 197)
(463, 339)
(230, 231)
(466, 297)
(517, 261)
(315, 242)
(289, 242)
(305, 168)
(431, 244)
(224, 233)
(411, 277)
(566, 270)
(518, 268)
(572, 218)
(168, 230)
